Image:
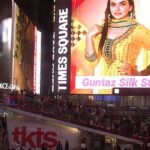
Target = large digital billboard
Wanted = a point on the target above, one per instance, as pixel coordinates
(97, 46)
(23, 41)
(5, 54)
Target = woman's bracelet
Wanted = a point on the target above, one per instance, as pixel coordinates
(91, 57)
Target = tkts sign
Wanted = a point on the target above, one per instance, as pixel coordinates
(35, 138)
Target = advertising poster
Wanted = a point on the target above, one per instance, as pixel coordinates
(123, 61)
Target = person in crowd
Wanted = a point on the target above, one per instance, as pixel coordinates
(22, 147)
(43, 146)
(17, 145)
(144, 146)
(59, 146)
(117, 147)
(66, 145)
(83, 145)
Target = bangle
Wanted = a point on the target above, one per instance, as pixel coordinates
(92, 57)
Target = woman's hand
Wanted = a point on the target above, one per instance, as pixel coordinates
(89, 49)
(127, 69)
(95, 30)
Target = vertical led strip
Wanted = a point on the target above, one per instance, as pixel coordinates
(6, 32)
(13, 37)
(37, 62)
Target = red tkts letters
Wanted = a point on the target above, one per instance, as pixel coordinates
(35, 139)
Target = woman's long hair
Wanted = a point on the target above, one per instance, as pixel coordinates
(106, 20)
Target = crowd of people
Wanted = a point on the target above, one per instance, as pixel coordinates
(109, 119)
(114, 120)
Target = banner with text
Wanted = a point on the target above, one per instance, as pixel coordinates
(33, 132)
(61, 47)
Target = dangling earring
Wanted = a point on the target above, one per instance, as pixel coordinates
(110, 17)
(130, 14)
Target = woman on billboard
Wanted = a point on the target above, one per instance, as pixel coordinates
(121, 38)
(112, 47)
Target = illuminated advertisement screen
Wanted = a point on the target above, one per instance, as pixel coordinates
(5, 54)
(98, 47)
